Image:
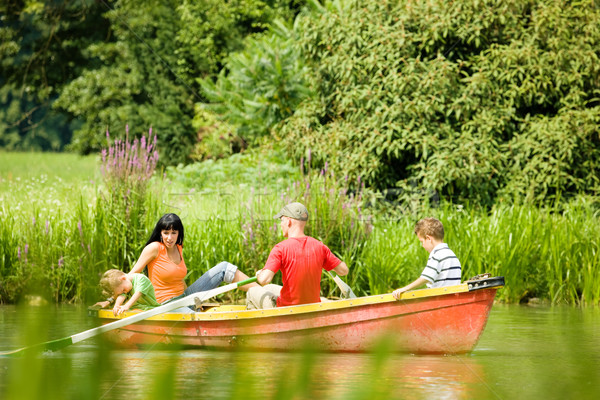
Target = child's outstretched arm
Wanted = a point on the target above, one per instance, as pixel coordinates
(418, 282)
(129, 303)
(120, 299)
(103, 304)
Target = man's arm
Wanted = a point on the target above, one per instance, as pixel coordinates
(341, 269)
(264, 276)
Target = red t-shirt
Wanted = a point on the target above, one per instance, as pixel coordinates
(300, 261)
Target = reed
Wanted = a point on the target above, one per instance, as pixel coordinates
(56, 245)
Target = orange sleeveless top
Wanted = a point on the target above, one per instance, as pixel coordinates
(166, 276)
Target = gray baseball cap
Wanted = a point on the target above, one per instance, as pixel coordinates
(295, 211)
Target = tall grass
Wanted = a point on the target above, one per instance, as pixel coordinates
(542, 254)
(57, 244)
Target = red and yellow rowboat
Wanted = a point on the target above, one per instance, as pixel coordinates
(446, 320)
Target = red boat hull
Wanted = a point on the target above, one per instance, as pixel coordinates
(447, 323)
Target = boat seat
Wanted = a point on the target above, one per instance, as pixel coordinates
(201, 306)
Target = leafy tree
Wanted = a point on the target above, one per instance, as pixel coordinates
(40, 51)
(477, 100)
(261, 85)
(147, 75)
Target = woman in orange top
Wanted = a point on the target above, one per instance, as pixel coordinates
(163, 255)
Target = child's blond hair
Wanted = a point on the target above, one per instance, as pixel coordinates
(110, 280)
(431, 227)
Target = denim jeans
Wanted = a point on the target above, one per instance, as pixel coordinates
(222, 272)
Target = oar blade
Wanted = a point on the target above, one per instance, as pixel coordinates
(185, 301)
(52, 345)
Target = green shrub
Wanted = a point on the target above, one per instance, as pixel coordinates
(478, 101)
(261, 85)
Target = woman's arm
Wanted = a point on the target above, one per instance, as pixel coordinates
(149, 253)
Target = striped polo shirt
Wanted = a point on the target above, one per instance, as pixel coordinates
(443, 267)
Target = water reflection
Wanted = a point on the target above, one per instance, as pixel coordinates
(308, 375)
(543, 353)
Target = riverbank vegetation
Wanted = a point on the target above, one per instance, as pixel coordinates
(484, 114)
(58, 236)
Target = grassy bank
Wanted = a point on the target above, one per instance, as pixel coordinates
(59, 230)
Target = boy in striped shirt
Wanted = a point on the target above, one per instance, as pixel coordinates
(443, 267)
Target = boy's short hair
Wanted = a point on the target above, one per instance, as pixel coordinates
(110, 280)
(430, 226)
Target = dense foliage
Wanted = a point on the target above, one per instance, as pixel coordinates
(97, 65)
(477, 100)
(42, 47)
(260, 86)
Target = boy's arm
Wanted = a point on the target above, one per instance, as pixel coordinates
(129, 303)
(102, 304)
(418, 282)
(120, 299)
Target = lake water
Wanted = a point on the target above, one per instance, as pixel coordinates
(524, 353)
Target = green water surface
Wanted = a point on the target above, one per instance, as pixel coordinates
(524, 353)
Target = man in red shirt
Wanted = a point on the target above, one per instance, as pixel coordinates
(300, 259)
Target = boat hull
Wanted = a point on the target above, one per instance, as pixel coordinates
(431, 321)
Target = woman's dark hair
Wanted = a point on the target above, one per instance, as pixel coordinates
(167, 221)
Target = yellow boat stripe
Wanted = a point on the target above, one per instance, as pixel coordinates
(227, 312)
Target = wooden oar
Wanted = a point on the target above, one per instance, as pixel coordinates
(346, 290)
(189, 300)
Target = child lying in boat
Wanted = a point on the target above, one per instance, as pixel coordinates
(136, 289)
(443, 267)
